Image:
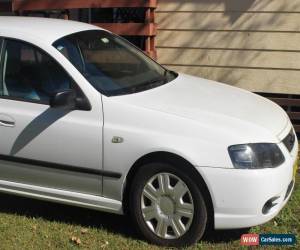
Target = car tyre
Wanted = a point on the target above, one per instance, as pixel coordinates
(167, 205)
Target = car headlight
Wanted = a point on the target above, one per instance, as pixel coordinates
(256, 155)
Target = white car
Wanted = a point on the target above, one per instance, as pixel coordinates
(87, 119)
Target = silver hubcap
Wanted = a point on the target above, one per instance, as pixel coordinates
(167, 206)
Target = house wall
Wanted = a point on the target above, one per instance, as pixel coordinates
(253, 44)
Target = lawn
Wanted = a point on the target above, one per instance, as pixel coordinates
(31, 224)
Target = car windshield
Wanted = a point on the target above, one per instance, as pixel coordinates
(111, 64)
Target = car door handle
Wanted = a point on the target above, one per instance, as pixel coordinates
(6, 121)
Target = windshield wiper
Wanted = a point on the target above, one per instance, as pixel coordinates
(144, 86)
(151, 84)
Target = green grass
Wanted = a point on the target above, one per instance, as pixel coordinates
(31, 224)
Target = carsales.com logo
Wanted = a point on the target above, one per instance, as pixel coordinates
(268, 239)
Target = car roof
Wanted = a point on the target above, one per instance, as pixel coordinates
(47, 29)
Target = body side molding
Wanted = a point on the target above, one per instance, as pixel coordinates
(61, 166)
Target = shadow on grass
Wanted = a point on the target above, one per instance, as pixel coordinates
(224, 236)
(90, 218)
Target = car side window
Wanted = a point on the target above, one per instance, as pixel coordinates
(30, 74)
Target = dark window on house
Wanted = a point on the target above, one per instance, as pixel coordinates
(118, 15)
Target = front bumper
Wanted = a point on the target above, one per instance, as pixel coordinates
(239, 195)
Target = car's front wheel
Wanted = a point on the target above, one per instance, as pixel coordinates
(167, 205)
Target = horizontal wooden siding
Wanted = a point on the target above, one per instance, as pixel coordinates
(253, 44)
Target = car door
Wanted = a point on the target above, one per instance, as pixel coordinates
(42, 146)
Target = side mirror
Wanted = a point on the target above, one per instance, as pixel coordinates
(66, 98)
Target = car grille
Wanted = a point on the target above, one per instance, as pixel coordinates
(289, 140)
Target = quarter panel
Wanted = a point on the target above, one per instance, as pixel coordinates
(147, 131)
